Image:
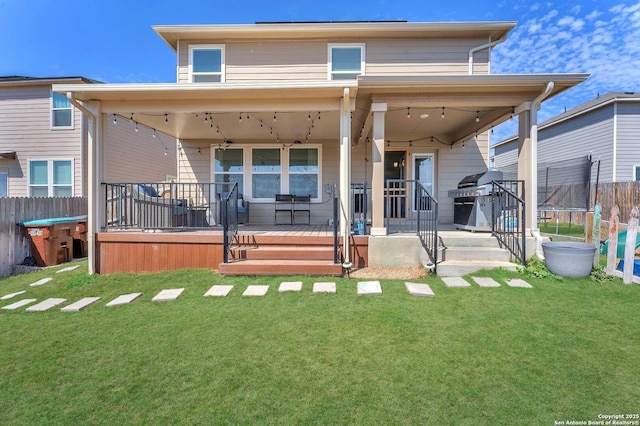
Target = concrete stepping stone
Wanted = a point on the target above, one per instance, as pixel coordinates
(18, 304)
(124, 299)
(369, 287)
(67, 269)
(46, 304)
(256, 290)
(40, 282)
(12, 295)
(327, 287)
(486, 282)
(219, 291)
(168, 295)
(455, 282)
(290, 286)
(517, 282)
(416, 289)
(80, 304)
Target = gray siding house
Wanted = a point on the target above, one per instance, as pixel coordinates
(44, 142)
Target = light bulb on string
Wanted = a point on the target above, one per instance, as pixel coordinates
(408, 112)
(442, 115)
(477, 116)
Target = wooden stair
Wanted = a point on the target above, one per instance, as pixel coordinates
(281, 255)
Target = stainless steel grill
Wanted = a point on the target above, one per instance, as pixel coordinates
(472, 201)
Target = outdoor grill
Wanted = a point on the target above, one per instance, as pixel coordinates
(472, 201)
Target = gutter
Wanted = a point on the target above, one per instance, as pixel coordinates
(482, 47)
(535, 232)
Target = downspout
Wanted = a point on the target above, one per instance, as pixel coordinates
(482, 47)
(535, 232)
(345, 177)
(91, 233)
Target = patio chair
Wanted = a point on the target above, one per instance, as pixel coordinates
(284, 204)
(302, 204)
(151, 211)
(243, 207)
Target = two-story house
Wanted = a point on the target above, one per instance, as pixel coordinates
(44, 142)
(308, 109)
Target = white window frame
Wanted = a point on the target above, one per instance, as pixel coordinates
(50, 185)
(52, 115)
(330, 48)
(221, 48)
(249, 170)
(636, 167)
(6, 179)
(244, 168)
(288, 173)
(422, 155)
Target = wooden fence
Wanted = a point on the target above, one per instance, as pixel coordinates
(625, 194)
(13, 246)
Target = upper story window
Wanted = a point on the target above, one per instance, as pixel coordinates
(346, 61)
(206, 63)
(50, 178)
(61, 112)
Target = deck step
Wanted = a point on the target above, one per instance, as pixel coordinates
(458, 268)
(492, 254)
(280, 267)
(283, 252)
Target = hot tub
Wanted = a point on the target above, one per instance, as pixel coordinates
(574, 260)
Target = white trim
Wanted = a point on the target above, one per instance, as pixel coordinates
(50, 185)
(220, 47)
(414, 157)
(615, 141)
(634, 172)
(51, 115)
(330, 47)
(6, 174)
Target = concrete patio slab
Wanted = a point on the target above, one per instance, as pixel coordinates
(369, 287)
(80, 304)
(256, 290)
(67, 269)
(168, 295)
(416, 289)
(124, 299)
(290, 286)
(517, 282)
(486, 282)
(18, 304)
(455, 282)
(12, 295)
(321, 287)
(46, 304)
(219, 291)
(40, 282)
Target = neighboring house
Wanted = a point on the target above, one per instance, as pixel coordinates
(301, 108)
(44, 142)
(606, 128)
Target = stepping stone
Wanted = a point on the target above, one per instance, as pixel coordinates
(12, 295)
(46, 304)
(455, 282)
(324, 287)
(518, 283)
(124, 299)
(256, 290)
(167, 295)
(40, 282)
(369, 287)
(290, 286)
(19, 304)
(80, 304)
(486, 282)
(219, 291)
(416, 289)
(67, 269)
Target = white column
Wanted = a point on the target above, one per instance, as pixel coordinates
(528, 164)
(345, 174)
(377, 179)
(94, 172)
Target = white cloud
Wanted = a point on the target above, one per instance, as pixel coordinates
(593, 15)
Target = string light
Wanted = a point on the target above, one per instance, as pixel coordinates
(442, 116)
(166, 151)
(154, 133)
(240, 118)
(309, 117)
(477, 116)
(408, 112)
(513, 111)
(136, 128)
(166, 118)
(274, 116)
(115, 119)
(199, 151)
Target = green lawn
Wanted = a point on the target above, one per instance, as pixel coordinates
(568, 229)
(565, 350)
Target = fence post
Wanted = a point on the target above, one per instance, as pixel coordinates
(612, 244)
(630, 247)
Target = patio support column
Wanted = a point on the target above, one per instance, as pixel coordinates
(345, 175)
(526, 172)
(377, 179)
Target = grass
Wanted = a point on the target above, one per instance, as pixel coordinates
(568, 349)
(567, 229)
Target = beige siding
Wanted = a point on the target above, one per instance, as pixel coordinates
(307, 60)
(137, 156)
(25, 127)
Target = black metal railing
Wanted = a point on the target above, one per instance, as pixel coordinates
(162, 206)
(410, 208)
(508, 213)
(229, 213)
(336, 246)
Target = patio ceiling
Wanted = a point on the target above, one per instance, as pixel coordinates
(311, 109)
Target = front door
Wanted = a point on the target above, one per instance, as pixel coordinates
(423, 173)
(395, 174)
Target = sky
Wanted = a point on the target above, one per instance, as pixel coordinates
(113, 41)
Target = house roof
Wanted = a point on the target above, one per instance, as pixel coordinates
(19, 80)
(171, 34)
(599, 102)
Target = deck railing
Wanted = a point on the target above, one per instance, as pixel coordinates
(163, 206)
(229, 213)
(508, 213)
(360, 207)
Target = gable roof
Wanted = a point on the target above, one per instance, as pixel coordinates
(20, 80)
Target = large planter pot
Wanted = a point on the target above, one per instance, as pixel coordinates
(568, 259)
